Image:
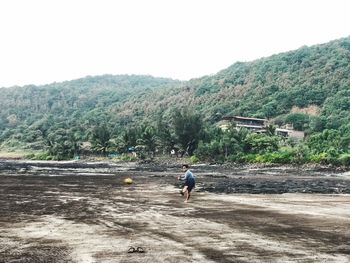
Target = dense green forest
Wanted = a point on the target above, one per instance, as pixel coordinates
(108, 115)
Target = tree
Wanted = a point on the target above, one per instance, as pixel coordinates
(148, 139)
(299, 120)
(188, 129)
(129, 138)
(163, 132)
(270, 130)
(260, 143)
(61, 145)
(100, 138)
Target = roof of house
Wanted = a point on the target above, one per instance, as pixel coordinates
(243, 118)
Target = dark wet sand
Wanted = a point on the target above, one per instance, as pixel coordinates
(85, 213)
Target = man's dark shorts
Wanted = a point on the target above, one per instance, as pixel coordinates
(190, 184)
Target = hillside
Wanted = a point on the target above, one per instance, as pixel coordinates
(309, 87)
(30, 114)
(314, 77)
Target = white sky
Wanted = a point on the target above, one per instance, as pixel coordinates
(43, 41)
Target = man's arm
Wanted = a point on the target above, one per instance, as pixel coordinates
(182, 177)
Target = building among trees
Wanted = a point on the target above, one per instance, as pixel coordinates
(259, 126)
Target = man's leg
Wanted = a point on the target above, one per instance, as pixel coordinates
(187, 196)
(185, 192)
(189, 189)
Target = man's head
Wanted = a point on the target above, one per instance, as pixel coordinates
(185, 167)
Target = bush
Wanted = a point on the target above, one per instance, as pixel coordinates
(283, 157)
(319, 158)
(344, 159)
(43, 156)
(275, 157)
(210, 151)
(237, 158)
(194, 159)
(127, 158)
(30, 156)
(301, 153)
(261, 143)
(248, 158)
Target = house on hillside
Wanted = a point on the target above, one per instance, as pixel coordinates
(253, 124)
(290, 133)
(259, 126)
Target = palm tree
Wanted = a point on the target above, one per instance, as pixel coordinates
(148, 139)
(270, 130)
(101, 136)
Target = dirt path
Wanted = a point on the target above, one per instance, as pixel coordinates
(91, 216)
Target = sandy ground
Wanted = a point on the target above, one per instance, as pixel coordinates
(87, 214)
